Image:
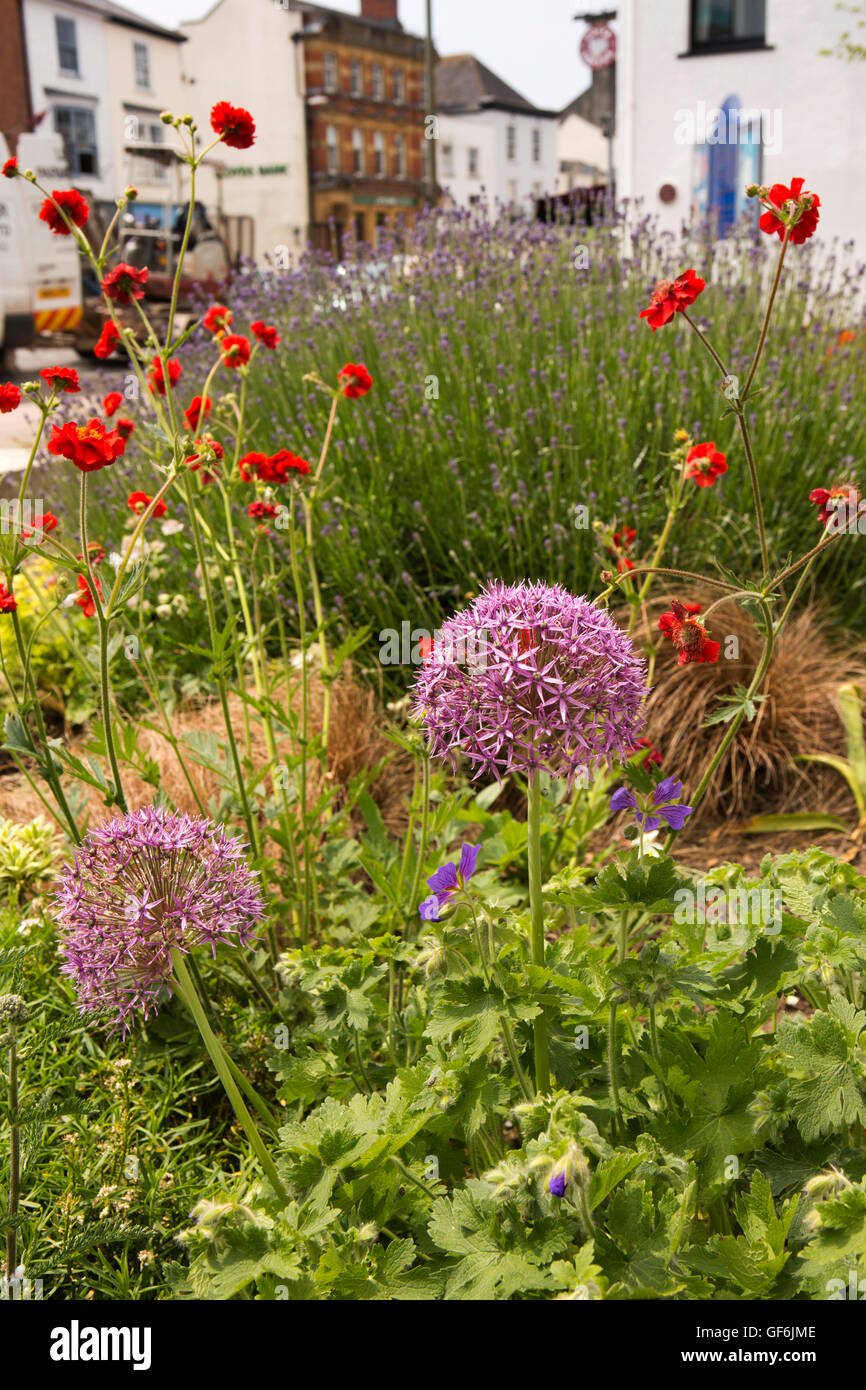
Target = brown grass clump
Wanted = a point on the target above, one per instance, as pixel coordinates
(356, 745)
(757, 774)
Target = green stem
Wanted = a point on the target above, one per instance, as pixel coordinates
(104, 682)
(536, 921)
(766, 324)
(14, 1159)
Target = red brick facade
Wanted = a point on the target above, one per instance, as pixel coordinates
(15, 113)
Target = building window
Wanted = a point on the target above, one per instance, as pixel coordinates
(536, 146)
(378, 82)
(144, 168)
(355, 78)
(77, 126)
(357, 151)
(332, 142)
(141, 60)
(448, 161)
(399, 85)
(727, 24)
(511, 142)
(473, 162)
(378, 154)
(67, 45)
(399, 156)
(330, 72)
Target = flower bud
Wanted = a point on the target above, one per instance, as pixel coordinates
(12, 1009)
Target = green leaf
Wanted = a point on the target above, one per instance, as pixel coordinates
(830, 1092)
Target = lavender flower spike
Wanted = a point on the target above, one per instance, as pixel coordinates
(530, 678)
(139, 885)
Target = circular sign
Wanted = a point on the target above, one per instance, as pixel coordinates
(598, 46)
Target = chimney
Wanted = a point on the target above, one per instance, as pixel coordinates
(385, 11)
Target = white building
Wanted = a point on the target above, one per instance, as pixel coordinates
(581, 152)
(494, 145)
(715, 94)
(99, 77)
(262, 192)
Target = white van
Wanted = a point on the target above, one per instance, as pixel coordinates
(40, 272)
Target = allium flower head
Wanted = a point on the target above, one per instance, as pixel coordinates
(139, 885)
(531, 678)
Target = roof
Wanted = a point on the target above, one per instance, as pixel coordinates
(464, 84)
(307, 7)
(116, 14)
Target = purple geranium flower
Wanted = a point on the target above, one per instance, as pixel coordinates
(651, 811)
(531, 678)
(139, 885)
(447, 880)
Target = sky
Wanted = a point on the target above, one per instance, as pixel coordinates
(533, 46)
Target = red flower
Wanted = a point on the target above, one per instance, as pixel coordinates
(283, 463)
(623, 539)
(218, 319)
(259, 510)
(671, 297)
(208, 451)
(44, 523)
(8, 602)
(265, 334)
(236, 350)
(124, 428)
(624, 565)
(255, 466)
(61, 378)
(85, 598)
(355, 380)
(112, 402)
(139, 501)
(234, 124)
(271, 470)
(196, 409)
(831, 502)
(704, 463)
(72, 204)
(156, 380)
(108, 340)
(806, 218)
(653, 755)
(688, 635)
(10, 397)
(10, 168)
(90, 447)
(426, 648)
(124, 283)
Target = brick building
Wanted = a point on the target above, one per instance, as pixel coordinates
(16, 116)
(364, 92)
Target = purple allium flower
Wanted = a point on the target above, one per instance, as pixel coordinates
(447, 880)
(556, 1186)
(530, 677)
(649, 812)
(139, 885)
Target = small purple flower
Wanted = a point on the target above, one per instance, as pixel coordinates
(556, 1186)
(649, 812)
(449, 880)
(140, 885)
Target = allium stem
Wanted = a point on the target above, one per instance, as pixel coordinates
(220, 1061)
(14, 1159)
(536, 921)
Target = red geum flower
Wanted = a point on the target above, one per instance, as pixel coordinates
(85, 598)
(140, 501)
(236, 350)
(671, 297)
(8, 602)
(624, 565)
(124, 428)
(234, 124)
(806, 218)
(10, 168)
(354, 380)
(275, 469)
(112, 402)
(90, 447)
(283, 463)
(259, 510)
(690, 637)
(71, 203)
(156, 379)
(124, 283)
(218, 319)
(197, 409)
(108, 340)
(208, 452)
(704, 463)
(426, 648)
(10, 397)
(653, 755)
(266, 334)
(44, 523)
(623, 539)
(61, 378)
(829, 501)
